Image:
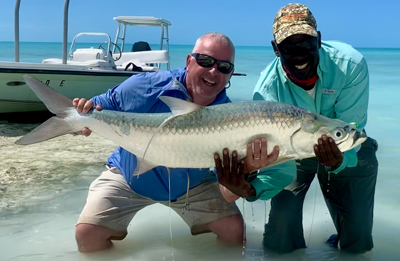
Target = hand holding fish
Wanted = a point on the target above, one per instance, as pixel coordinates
(328, 153)
(84, 106)
(232, 175)
(257, 155)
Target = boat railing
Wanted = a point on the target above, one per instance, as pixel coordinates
(16, 31)
(108, 50)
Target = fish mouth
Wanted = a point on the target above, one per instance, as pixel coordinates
(359, 137)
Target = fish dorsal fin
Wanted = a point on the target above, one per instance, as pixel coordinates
(179, 106)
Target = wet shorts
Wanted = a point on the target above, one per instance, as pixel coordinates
(113, 204)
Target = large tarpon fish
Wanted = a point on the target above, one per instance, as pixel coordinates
(190, 135)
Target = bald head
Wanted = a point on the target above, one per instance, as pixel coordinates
(215, 37)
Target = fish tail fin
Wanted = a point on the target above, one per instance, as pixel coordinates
(55, 103)
(51, 128)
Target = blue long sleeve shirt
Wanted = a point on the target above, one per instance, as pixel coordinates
(342, 89)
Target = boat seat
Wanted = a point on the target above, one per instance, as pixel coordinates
(140, 46)
(88, 57)
(87, 54)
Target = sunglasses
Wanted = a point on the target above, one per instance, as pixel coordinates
(306, 45)
(206, 61)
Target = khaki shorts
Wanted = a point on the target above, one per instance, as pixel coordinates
(113, 204)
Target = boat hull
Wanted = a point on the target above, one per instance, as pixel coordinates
(17, 97)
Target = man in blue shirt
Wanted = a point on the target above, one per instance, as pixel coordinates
(116, 196)
(330, 78)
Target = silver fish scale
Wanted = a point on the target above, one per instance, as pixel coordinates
(235, 115)
(207, 119)
(147, 122)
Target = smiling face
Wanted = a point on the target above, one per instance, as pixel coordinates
(299, 53)
(204, 84)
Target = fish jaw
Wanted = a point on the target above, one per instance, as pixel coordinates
(356, 138)
(359, 137)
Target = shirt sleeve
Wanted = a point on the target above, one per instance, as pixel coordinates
(267, 84)
(127, 96)
(352, 106)
(352, 103)
(270, 181)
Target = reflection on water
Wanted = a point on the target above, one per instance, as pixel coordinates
(43, 188)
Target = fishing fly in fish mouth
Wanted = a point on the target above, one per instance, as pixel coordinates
(189, 135)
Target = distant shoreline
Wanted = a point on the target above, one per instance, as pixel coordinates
(190, 45)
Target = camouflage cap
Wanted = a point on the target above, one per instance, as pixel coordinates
(293, 19)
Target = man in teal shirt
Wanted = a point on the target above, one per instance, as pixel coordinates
(330, 78)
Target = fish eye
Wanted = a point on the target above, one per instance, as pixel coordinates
(339, 133)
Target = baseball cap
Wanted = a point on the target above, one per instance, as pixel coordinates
(293, 19)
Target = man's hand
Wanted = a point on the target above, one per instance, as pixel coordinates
(231, 173)
(327, 152)
(257, 155)
(84, 106)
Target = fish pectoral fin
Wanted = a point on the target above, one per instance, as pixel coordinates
(51, 128)
(179, 106)
(143, 166)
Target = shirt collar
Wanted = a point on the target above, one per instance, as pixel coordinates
(322, 66)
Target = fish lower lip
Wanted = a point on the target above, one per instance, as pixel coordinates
(359, 136)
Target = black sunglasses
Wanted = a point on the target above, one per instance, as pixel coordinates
(306, 45)
(206, 61)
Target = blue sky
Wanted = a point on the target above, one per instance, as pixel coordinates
(367, 23)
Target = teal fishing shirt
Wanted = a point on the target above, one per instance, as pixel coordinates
(140, 93)
(342, 89)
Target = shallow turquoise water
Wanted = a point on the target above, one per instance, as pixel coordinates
(43, 187)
